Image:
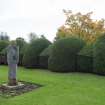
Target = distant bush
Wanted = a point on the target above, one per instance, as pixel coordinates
(63, 54)
(22, 44)
(3, 45)
(85, 59)
(33, 50)
(99, 55)
(3, 59)
(43, 59)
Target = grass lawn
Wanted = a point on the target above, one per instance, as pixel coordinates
(58, 89)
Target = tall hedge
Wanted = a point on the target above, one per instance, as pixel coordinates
(3, 45)
(99, 55)
(43, 58)
(63, 54)
(3, 59)
(85, 59)
(33, 50)
(21, 43)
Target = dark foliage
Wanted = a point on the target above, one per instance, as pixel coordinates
(99, 55)
(43, 58)
(85, 59)
(63, 54)
(33, 50)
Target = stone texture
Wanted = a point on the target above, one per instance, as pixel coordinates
(12, 59)
(22, 87)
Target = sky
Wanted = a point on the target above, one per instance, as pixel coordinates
(20, 17)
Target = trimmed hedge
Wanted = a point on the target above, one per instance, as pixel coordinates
(33, 50)
(99, 55)
(22, 44)
(3, 45)
(43, 58)
(85, 59)
(63, 54)
(3, 59)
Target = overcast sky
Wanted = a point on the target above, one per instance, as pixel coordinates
(20, 17)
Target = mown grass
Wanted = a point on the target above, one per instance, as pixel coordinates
(58, 88)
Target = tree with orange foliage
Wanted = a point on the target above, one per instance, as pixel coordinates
(82, 26)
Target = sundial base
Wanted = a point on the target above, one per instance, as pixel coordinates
(22, 87)
(18, 86)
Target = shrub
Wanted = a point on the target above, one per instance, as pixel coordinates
(3, 59)
(99, 55)
(63, 54)
(85, 59)
(21, 43)
(43, 59)
(33, 50)
(3, 44)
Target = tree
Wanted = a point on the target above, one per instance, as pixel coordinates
(63, 54)
(82, 26)
(44, 56)
(32, 36)
(3, 44)
(4, 36)
(22, 44)
(42, 36)
(32, 52)
(99, 55)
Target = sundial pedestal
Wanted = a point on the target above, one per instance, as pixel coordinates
(18, 86)
(12, 82)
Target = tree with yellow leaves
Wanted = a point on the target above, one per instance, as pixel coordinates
(82, 26)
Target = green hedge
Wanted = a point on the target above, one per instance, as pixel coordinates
(63, 54)
(99, 55)
(43, 58)
(33, 50)
(3, 59)
(21, 43)
(3, 44)
(85, 59)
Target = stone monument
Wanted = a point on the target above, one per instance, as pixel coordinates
(12, 59)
